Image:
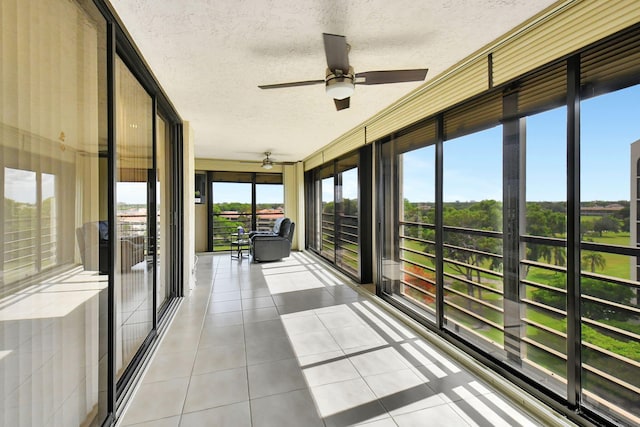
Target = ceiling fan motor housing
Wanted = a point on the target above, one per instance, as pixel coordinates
(340, 85)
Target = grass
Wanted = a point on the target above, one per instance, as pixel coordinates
(618, 266)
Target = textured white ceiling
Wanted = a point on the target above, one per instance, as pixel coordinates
(210, 55)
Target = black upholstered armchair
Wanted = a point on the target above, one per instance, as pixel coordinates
(272, 246)
(93, 241)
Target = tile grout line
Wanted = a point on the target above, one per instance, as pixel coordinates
(214, 272)
(246, 358)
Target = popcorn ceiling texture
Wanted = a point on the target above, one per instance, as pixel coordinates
(210, 55)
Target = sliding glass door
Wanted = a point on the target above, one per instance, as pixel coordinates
(251, 200)
(510, 225)
(54, 276)
(347, 240)
(135, 231)
(335, 213)
(231, 209)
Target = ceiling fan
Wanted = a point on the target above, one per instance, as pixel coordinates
(267, 163)
(340, 78)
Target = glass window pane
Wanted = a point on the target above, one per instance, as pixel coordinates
(543, 298)
(610, 289)
(53, 186)
(269, 205)
(347, 255)
(163, 209)
(416, 203)
(231, 209)
(20, 224)
(48, 224)
(328, 224)
(472, 213)
(134, 245)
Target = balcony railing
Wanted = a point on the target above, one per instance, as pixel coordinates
(341, 245)
(474, 303)
(225, 225)
(28, 248)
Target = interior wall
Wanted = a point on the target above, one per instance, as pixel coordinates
(190, 218)
(200, 227)
(293, 181)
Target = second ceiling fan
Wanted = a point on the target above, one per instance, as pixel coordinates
(340, 78)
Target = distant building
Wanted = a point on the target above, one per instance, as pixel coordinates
(266, 217)
(232, 215)
(601, 210)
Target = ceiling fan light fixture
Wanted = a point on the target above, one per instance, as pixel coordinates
(267, 163)
(339, 85)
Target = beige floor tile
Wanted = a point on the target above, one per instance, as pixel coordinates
(236, 415)
(326, 368)
(165, 422)
(312, 358)
(219, 358)
(347, 402)
(158, 400)
(217, 389)
(438, 416)
(275, 377)
(166, 366)
(313, 343)
(403, 391)
(292, 409)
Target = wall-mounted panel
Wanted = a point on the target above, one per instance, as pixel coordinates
(314, 161)
(345, 144)
(569, 29)
(447, 91)
(235, 166)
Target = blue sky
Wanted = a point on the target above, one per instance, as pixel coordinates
(473, 163)
(225, 192)
(134, 192)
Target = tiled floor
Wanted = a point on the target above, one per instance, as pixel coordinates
(288, 344)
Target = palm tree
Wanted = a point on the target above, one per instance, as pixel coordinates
(593, 260)
(559, 256)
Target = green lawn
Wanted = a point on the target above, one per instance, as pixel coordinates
(617, 265)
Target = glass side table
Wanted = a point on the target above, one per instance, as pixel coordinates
(239, 244)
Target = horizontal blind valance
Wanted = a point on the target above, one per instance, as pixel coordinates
(543, 90)
(611, 66)
(482, 113)
(268, 178)
(417, 136)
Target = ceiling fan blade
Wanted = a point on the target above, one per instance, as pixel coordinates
(391, 76)
(337, 52)
(341, 104)
(291, 84)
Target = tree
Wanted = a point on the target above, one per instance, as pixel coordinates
(624, 215)
(484, 215)
(606, 291)
(606, 223)
(559, 256)
(593, 261)
(586, 226)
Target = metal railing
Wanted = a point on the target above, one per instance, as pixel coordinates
(28, 249)
(610, 332)
(340, 243)
(225, 225)
(474, 303)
